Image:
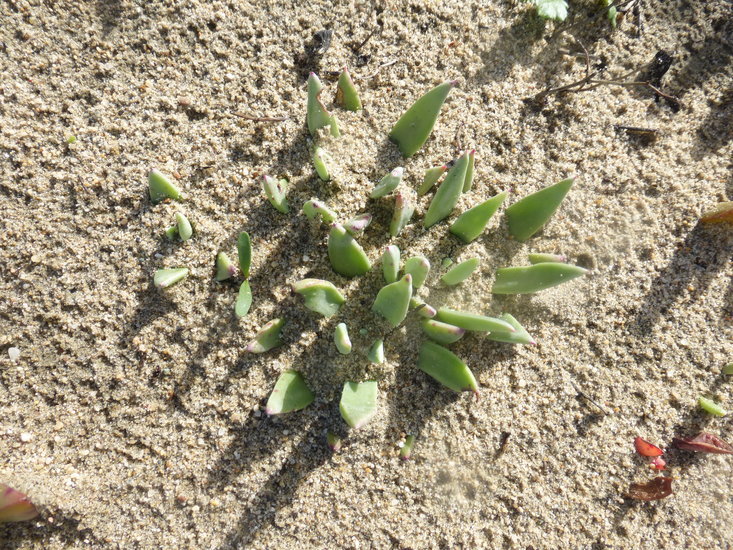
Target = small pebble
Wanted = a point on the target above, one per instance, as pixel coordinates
(14, 354)
(25, 437)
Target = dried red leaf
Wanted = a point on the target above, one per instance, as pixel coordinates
(703, 443)
(656, 489)
(658, 463)
(15, 506)
(644, 448)
(721, 212)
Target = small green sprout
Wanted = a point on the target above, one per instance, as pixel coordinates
(391, 263)
(358, 402)
(448, 193)
(445, 367)
(406, 450)
(317, 116)
(347, 257)
(442, 333)
(473, 321)
(445, 263)
(346, 94)
(393, 300)
(171, 233)
(185, 230)
(244, 300)
(358, 223)
(472, 222)
(161, 188)
(225, 269)
(15, 506)
(461, 272)
(527, 216)
(414, 127)
(320, 296)
(518, 336)
(275, 190)
(341, 339)
(526, 280)
(551, 9)
(314, 208)
(388, 183)
(334, 441)
(468, 182)
(431, 177)
(403, 211)
(418, 267)
(711, 407)
(71, 139)
(426, 310)
(244, 252)
(290, 394)
(539, 258)
(376, 352)
(335, 129)
(321, 159)
(728, 369)
(612, 12)
(163, 278)
(267, 338)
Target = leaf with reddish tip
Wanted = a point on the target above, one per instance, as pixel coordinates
(721, 212)
(656, 489)
(15, 506)
(644, 448)
(290, 394)
(358, 402)
(267, 338)
(703, 443)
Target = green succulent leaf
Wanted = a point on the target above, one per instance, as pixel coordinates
(244, 300)
(413, 128)
(403, 211)
(185, 230)
(518, 336)
(448, 193)
(426, 310)
(391, 263)
(290, 394)
(393, 300)
(533, 278)
(473, 321)
(388, 183)
(346, 93)
(376, 352)
(358, 402)
(418, 267)
(314, 208)
(472, 222)
(275, 190)
(446, 367)
(442, 333)
(244, 251)
(347, 257)
(431, 177)
(161, 188)
(551, 9)
(527, 216)
(406, 450)
(320, 296)
(317, 116)
(163, 278)
(538, 258)
(267, 338)
(225, 269)
(468, 182)
(321, 159)
(460, 272)
(341, 339)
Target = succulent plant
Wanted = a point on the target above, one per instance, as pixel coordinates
(161, 188)
(15, 506)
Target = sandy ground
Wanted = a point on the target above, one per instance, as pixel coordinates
(134, 418)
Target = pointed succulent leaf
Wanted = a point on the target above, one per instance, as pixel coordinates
(335, 128)
(527, 216)
(161, 188)
(15, 506)
(275, 190)
(443, 333)
(519, 336)
(185, 230)
(525, 280)
(418, 267)
(341, 339)
(163, 278)
(267, 338)
(347, 257)
(314, 208)
(473, 221)
(358, 223)
(431, 177)
(403, 211)
(446, 367)
(358, 402)
(320, 296)
(224, 267)
(426, 310)
(290, 394)
(244, 251)
(711, 407)
(413, 128)
(460, 272)
(321, 159)
(391, 263)
(468, 182)
(447, 195)
(406, 450)
(171, 233)
(538, 258)
(376, 352)
(393, 300)
(346, 94)
(334, 441)
(317, 116)
(388, 183)
(721, 212)
(244, 300)
(473, 321)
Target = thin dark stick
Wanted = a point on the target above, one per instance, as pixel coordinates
(262, 118)
(360, 46)
(585, 395)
